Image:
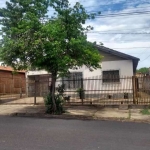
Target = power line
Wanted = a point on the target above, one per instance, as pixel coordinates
(145, 58)
(95, 1)
(122, 9)
(96, 6)
(116, 33)
(131, 47)
(123, 14)
(142, 53)
(123, 29)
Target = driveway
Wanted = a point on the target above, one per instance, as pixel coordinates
(57, 134)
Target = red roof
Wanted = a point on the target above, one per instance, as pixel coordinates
(8, 68)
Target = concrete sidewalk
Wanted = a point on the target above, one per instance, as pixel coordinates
(77, 112)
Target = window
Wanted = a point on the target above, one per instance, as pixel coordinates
(111, 76)
(73, 80)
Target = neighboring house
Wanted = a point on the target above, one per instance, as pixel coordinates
(12, 82)
(38, 83)
(115, 66)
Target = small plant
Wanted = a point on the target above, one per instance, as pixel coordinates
(61, 89)
(59, 100)
(49, 104)
(81, 93)
(145, 112)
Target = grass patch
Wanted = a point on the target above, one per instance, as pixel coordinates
(145, 111)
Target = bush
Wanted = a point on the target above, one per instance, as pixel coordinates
(49, 104)
(81, 93)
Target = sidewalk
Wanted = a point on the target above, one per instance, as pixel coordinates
(76, 112)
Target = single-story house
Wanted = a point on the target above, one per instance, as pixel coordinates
(116, 73)
(12, 82)
(113, 61)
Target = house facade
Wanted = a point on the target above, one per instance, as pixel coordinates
(115, 73)
(113, 79)
(112, 61)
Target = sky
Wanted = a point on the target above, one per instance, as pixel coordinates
(127, 31)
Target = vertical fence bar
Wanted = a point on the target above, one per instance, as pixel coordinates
(82, 90)
(35, 92)
(133, 87)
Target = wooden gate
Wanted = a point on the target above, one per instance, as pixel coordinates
(38, 85)
(141, 89)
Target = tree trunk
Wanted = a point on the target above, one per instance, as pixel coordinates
(52, 90)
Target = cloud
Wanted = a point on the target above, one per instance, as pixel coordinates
(125, 24)
(121, 24)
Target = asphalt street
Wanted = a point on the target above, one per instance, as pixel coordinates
(58, 134)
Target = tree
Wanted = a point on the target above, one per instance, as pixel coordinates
(20, 21)
(143, 70)
(57, 45)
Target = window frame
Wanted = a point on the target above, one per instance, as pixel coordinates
(111, 79)
(74, 82)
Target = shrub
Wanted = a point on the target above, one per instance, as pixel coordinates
(81, 93)
(49, 104)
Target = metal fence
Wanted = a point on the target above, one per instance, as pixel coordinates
(93, 90)
(141, 89)
(99, 91)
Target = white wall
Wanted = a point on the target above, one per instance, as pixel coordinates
(125, 68)
(38, 72)
(86, 72)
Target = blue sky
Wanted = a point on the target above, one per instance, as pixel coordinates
(137, 45)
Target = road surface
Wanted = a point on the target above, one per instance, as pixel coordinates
(58, 134)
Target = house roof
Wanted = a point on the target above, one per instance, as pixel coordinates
(135, 60)
(8, 68)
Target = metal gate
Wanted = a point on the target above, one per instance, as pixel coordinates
(141, 89)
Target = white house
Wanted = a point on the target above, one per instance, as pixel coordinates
(113, 61)
(113, 79)
(116, 73)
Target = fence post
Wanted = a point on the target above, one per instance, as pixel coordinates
(134, 89)
(35, 92)
(82, 93)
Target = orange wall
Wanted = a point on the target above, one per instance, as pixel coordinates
(12, 83)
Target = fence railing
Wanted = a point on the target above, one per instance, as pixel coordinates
(96, 90)
(92, 90)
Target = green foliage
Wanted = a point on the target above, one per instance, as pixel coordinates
(59, 100)
(61, 89)
(145, 111)
(50, 105)
(32, 40)
(55, 45)
(80, 90)
(20, 20)
(81, 93)
(143, 70)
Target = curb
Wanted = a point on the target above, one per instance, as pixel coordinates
(77, 117)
